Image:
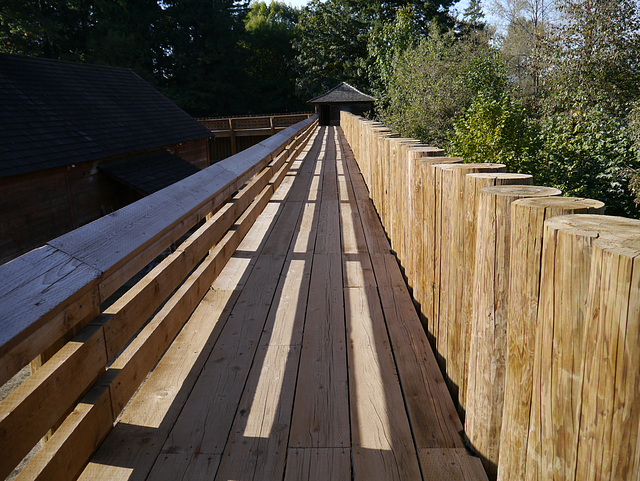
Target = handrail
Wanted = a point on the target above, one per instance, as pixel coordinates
(59, 287)
(49, 290)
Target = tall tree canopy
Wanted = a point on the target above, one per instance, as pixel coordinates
(332, 47)
(270, 32)
(204, 66)
(47, 28)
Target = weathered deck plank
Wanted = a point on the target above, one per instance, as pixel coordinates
(305, 360)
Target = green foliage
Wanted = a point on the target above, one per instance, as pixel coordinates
(49, 28)
(473, 14)
(588, 152)
(332, 47)
(472, 18)
(433, 83)
(270, 57)
(385, 46)
(357, 40)
(385, 12)
(496, 128)
(123, 34)
(204, 68)
(592, 56)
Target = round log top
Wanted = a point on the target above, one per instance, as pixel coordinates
(440, 161)
(521, 191)
(425, 148)
(500, 175)
(404, 140)
(564, 203)
(596, 225)
(623, 246)
(486, 165)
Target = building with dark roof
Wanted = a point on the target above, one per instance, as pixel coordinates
(342, 97)
(78, 141)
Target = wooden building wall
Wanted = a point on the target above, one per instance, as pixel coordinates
(195, 152)
(38, 207)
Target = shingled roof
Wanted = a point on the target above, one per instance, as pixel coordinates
(340, 94)
(57, 113)
(149, 172)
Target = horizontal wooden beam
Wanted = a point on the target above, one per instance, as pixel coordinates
(49, 290)
(40, 402)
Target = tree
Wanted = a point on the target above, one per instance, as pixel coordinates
(386, 45)
(592, 55)
(521, 24)
(496, 128)
(124, 34)
(532, 15)
(384, 12)
(590, 153)
(332, 47)
(48, 28)
(110, 32)
(270, 55)
(474, 16)
(435, 82)
(590, 82)
(204, 68)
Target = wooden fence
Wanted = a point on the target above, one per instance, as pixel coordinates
(531, 301)
(234, 134)
(60, 292)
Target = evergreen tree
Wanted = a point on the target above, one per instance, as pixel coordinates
(270, 57)
(204, 67)
(474, 16)
(124, 34)
(332, 47)
(48, 28)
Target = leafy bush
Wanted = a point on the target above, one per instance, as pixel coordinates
(590, 152)
(496, 128)
(434, 82)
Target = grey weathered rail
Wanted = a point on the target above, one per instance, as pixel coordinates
(58, 289)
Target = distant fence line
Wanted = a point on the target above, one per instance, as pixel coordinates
(531, 301)
(235, 134)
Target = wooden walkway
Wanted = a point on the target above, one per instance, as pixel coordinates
(305, 360)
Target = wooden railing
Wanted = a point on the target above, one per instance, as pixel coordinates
(532, 302)
(61, 291)
(234, 134)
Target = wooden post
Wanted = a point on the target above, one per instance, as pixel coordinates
(609, 447)
(415, 210)
(527, 227)
(272, 125)
(394, 203)
(232, 138)
(372, 154)
(466, 188)
(485, 390)
(452, 232)
(425, 259)
(379, 172)
(565, 310)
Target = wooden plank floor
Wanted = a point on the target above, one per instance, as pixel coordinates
(305, 361)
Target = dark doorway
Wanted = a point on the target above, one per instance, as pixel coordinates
(325, 115)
